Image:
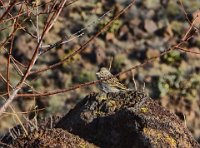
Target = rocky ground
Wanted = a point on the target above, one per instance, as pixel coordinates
(148, 28)
(125, 119)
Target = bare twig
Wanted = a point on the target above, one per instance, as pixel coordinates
(17, 117)
(128, 70)
(31, 64)
(15, 27)
(56, 15)
(46, 48)
(8, 66)
(185, 13)
(5, 80)
(190, 28)
(92, 82)
(7, 11)
(189, 51)
(86, 43)
(19, 63)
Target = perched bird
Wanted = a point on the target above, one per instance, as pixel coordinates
(110, 85)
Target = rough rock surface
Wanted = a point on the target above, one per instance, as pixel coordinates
(45, 135)
(125, 119)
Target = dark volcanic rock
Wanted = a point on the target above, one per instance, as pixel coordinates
(126, 119)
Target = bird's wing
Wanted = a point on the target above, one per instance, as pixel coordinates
(114, 82)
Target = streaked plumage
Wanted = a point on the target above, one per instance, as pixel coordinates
(110, 85)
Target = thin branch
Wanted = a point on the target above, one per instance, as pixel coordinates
(19, 63)
(8, 66)
(4, 79)
(7, 11)
(185, 13)
(15, 28)
(27, 72)
(190, 28)
(40, 13)
(189, 51)
(56, 15)
(130, 69)
(73, 36)
(16, 115)
(93, 82)
(37, 25)
(98, 81)
(19, 72)
(23, 13)
(26, 112)
(86, 43)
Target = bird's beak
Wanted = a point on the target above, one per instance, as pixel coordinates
(97, 73)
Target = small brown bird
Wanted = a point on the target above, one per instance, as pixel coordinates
(110, 85)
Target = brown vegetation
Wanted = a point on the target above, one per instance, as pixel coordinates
(50, 51)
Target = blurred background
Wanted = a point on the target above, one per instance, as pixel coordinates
(144, 31)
